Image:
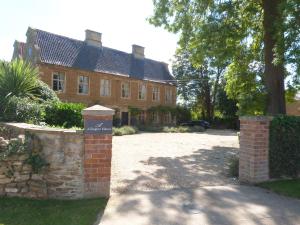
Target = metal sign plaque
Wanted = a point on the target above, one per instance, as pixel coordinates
(98, 126)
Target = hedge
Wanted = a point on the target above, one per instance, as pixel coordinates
(284, 153)
(64, 114)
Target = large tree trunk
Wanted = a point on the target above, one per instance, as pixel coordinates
(274, 72)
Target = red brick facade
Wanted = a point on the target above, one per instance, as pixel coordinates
(97, 161)
(115, 101)
(254, 149)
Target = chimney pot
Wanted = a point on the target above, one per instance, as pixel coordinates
(93, 38)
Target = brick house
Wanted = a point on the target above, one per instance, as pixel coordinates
(89, 73)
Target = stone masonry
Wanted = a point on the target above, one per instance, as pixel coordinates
(97, 154)
(254, 149)
(78, 163)
(63, 151)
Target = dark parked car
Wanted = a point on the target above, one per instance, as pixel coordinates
(193, 123)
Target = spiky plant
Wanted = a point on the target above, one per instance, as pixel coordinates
(18, 78)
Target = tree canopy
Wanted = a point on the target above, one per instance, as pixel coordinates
(259, 39)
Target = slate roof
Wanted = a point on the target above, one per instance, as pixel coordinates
(64, 51)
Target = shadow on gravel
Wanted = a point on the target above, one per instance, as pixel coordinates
(205, 167)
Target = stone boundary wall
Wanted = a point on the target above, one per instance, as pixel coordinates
(62, 149)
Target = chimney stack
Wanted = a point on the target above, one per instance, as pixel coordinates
(93, 38)
(138, 51)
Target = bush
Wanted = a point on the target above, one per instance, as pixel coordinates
(284, 153)
(64, 114)
(167, 129)
(45, 93)
(126, 130)
(233, 166)
(22, 110)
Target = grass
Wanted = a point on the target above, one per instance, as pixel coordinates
(289, 188)
(19, 211)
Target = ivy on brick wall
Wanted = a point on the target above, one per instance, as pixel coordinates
(284, 154)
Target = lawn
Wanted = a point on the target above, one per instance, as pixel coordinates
(286, 187)
(18, 211)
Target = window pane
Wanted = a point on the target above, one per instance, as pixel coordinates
(55, 87)
(125, 90)
(83, 85)
(58, 82)
(105, 88)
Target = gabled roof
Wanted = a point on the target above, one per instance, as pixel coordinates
(64, 51)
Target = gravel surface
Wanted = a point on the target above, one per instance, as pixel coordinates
(162, 161)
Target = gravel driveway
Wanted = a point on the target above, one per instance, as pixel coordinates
(162, 161)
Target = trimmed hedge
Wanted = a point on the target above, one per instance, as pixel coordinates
(284, 153)
(64, 114)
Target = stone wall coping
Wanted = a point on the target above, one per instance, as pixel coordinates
(97, 110)
(256, 118)
(37, 128)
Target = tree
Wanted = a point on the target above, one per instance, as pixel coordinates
(198, 85)
(248, 33)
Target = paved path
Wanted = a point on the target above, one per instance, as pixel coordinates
(163, 161)
(180, 179)
(216, 205)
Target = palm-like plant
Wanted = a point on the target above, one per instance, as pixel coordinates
(18, 78)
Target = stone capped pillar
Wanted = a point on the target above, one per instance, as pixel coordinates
(97, 150)
(254, 149)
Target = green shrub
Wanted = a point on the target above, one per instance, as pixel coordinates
(45, 93)
(22, 110)
(64, 114)
(284, 153)
(233, 166)
(171, 129)
(126, 130)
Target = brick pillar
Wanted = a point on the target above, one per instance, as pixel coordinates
(254, 149)
(97, 150)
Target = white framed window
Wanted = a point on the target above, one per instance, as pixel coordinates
(155, 94)
(83, 85)
(58, 81)
(142, 91)
(168, 95)
(105, 87)
(125, 90)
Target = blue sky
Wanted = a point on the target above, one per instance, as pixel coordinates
(122, 23)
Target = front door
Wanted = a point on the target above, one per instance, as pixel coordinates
(124, 118)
